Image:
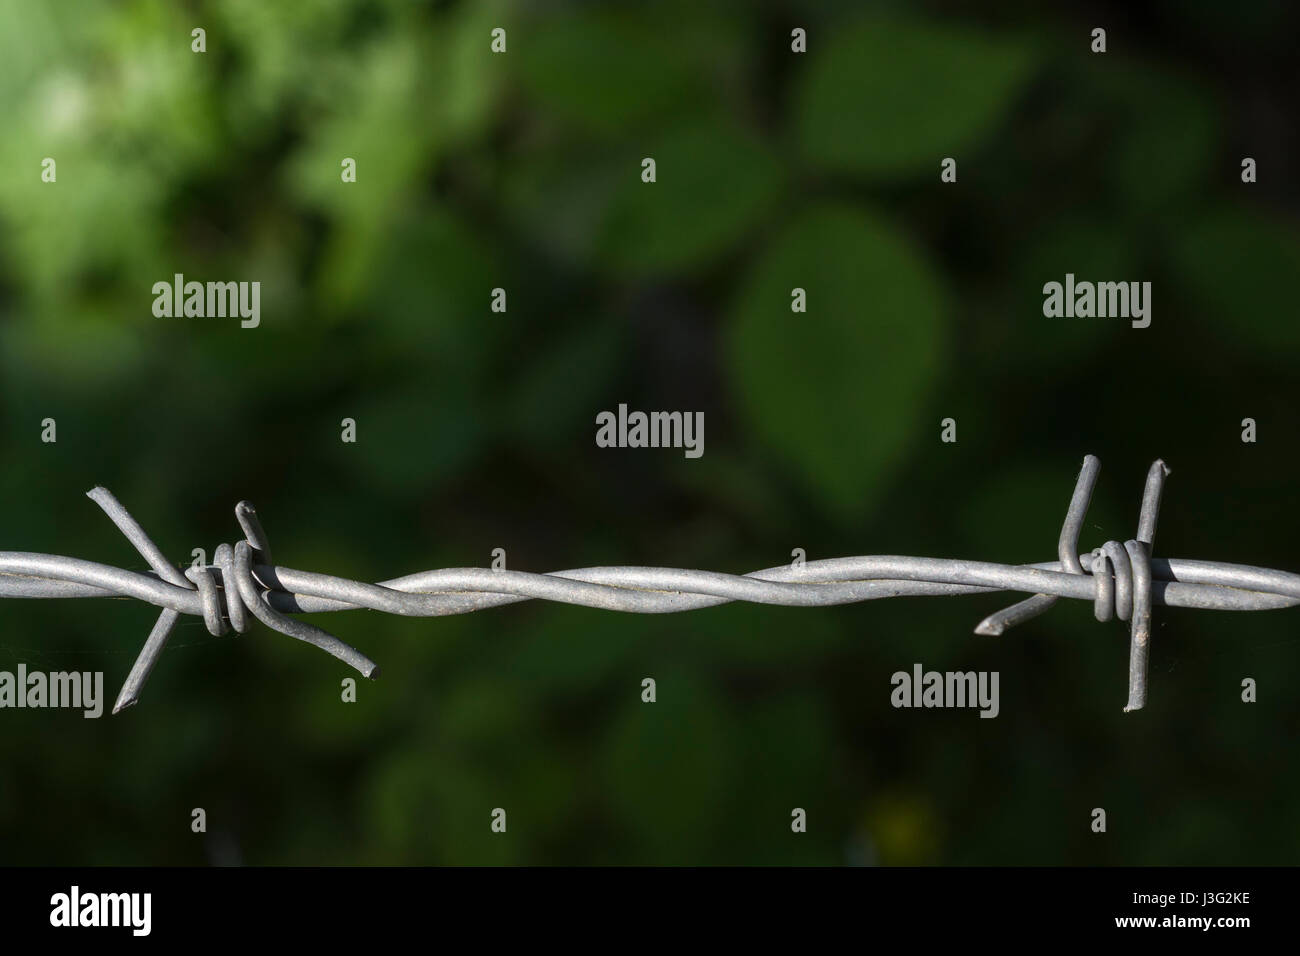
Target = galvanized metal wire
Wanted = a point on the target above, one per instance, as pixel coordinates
(1122, 581)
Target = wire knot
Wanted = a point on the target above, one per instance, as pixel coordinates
(1123, 578)
(1121, 574)
(223, 578)
(232, 575)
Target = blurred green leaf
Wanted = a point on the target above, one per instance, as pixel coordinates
(558, 197)
(1238, 268)
(889, 97)
(604, 71)
(838, 391)
(1168, 134)
(379, 125)
(715, 182)
(562, 383)
(285, 50)
(434, 271)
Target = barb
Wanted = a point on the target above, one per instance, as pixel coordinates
(1122, 581)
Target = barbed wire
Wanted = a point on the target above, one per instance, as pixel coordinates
(1122, 581)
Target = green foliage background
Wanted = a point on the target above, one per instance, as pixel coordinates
(475, 429)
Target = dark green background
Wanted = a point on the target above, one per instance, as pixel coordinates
(822, 430)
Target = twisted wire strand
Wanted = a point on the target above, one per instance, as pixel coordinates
(1122, 581)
